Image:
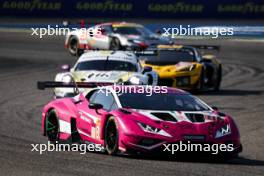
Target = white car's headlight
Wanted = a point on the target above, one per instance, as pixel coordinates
(134, 80)
(225, 130)
(150, 129)
(67, 79)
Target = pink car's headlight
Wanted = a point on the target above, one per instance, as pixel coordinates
(225, 130)
(150, 129)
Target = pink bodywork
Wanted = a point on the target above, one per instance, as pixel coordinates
(129, 132)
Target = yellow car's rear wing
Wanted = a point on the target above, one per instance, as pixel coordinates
(207, 47)
(180, 46)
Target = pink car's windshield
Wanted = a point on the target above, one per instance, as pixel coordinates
(168, 102)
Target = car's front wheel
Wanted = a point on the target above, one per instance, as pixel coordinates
(111, 136)
(73, 46)
(52, 126)
(115, 44)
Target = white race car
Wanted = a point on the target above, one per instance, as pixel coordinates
(108, 67)
(113, 36)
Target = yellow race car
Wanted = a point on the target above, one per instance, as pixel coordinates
(184, 67)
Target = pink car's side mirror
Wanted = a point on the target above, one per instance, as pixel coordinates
(95, 106)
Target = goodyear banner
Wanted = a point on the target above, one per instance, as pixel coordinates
(133, 8)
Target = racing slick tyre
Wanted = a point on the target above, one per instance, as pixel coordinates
(219, 78)
(200, 86)
(75, 136)
(115, 44)
(111, 136)
(150, 80)
(73, 46)
(52, 126)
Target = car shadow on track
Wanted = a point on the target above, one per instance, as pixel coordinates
(234, 161)
(246, 162)
(230, 92)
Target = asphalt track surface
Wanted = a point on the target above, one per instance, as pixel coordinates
(25, 59)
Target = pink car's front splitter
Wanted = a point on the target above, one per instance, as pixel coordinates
(158, 147)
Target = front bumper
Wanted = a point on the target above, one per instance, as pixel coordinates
(146, 145)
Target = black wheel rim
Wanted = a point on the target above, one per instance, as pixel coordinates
(52, 129)
(111, 135)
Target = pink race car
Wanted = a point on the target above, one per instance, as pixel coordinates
(138, 121)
